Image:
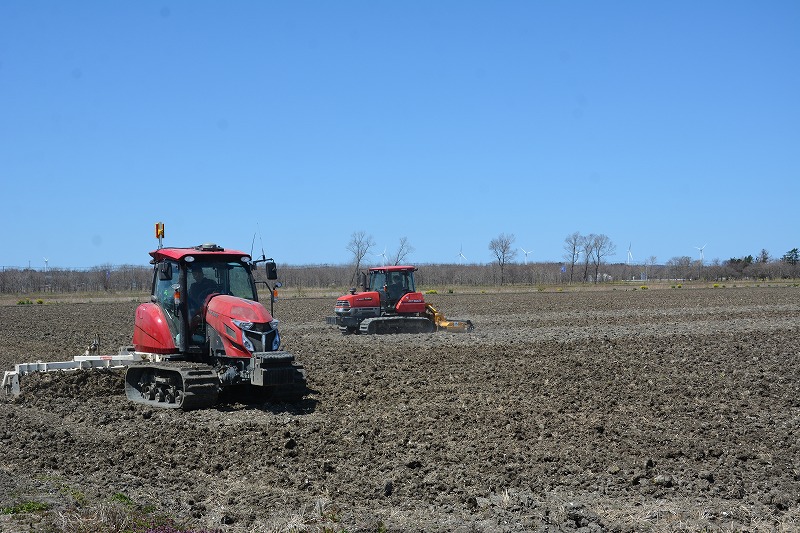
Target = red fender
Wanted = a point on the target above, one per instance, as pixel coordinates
(412, 302)
(151, 332)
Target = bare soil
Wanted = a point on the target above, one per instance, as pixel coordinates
(668, 410)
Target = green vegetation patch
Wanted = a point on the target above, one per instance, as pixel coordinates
(27, 507)
(121, 498)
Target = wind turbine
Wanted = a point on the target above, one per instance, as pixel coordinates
(701, 253)
(630, 255)
(526, 254)
(45, 265)
(383, 254)
(461, 257)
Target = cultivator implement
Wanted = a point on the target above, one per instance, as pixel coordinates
(125, 357)
(444, 324)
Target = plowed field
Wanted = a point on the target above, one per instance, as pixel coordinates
(661, 410)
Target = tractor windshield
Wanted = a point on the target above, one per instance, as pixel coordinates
(400, 280)
(240, 281)
(221, 277)
(377, 280)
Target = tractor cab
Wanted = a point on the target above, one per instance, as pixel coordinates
(182, 288)
(184, 281)
(391, 283)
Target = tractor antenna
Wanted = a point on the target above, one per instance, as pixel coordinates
(252, 245)
(263, 255)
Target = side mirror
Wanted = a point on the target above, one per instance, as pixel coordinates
(362, 281)
(165, 271)
(272, 270)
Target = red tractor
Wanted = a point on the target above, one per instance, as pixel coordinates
(204, 330)
(389, 303)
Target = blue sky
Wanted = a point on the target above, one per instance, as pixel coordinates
(663, 125)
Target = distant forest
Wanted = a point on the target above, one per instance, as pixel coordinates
(134, 278)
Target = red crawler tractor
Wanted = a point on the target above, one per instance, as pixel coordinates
(202, 331)
(390, 303)
(209, 330)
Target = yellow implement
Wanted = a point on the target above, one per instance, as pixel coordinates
(443, 324)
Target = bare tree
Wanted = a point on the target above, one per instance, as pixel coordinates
(503, 250)
(651, 263)
(360, 244)
(601, 247)
(572, 250)
(403, 251)
(679, 268)
(587, 249)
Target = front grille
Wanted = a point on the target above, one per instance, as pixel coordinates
(342, 303)
(262, 342)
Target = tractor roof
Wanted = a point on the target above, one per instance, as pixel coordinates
(393, 268)
(202, 250)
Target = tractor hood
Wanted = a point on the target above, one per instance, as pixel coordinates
(232, 308)
(240, 328)
(361, 299)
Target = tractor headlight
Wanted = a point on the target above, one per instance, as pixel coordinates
(247, 344)
(274, 324)
(276, 342)
(243, 324)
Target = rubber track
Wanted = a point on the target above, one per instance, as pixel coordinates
(200, 384)
(396, 324)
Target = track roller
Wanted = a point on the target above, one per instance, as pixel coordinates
(172, 385)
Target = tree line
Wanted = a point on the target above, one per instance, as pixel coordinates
(584, 262)
(119, 278)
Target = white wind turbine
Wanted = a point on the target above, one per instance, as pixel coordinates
(630, 258)
(383, 255)
(461, 257)
(526, 252)
(701, 248)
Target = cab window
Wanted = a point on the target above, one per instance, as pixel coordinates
(228, 278)
(164, 289)
(239, 281)
(164, 293)
(377, 280)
